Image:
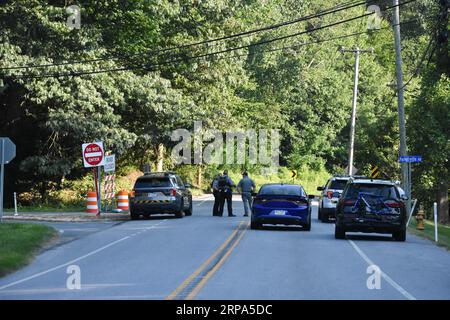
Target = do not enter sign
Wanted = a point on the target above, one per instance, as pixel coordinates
(93, 154)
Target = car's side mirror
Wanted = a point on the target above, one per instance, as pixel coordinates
(404, 197)
(311, 197)
(254, 194)
(187, 185)
(320, 188)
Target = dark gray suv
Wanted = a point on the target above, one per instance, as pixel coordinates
(371, 205)
(160, 193)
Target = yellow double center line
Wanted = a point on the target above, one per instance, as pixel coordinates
(190, 287)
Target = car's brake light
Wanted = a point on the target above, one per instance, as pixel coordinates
(173, 192)
(132, 194)
(349, 202)
(330, 194)
(394, 204)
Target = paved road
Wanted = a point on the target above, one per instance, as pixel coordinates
(205, 257)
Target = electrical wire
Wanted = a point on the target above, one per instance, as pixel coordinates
(341, 7)
(186, 58)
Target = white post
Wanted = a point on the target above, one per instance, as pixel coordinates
(435, 222)
(411, 212)
(15, 204)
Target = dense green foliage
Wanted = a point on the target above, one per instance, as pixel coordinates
(304, 90)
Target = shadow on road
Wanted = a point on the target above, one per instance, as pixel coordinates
(365, 237)
(282, 228)
(158, 217)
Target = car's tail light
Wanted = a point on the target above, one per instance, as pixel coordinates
(132, 194)
(258, 201)
(330, 194)
(349, 202)
(394, 204)
(173, 192)
(301, 202)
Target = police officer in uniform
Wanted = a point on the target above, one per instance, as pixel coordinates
(215, 190)
(225, 193)
(246, 186)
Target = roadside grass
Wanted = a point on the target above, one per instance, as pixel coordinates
(19, 242)
(428, 233)
(48, 208)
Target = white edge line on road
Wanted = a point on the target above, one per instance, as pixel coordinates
(72, 261)
(199, 204)
(394, 284)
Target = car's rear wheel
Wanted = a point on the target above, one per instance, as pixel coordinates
(307, 227)
(255, 225)
(179, 214)
(188, 212)
(339, 232)
(399, 235)
(134, 216)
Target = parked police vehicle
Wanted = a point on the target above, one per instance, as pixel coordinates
(371, 205)
(160, 193)
(329, 196)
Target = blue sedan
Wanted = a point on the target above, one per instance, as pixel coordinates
(286, 204)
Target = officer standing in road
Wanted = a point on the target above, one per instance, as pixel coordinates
(245, 187)
(215, 190)
(225, 193)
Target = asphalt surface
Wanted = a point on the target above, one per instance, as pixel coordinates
(205, 257)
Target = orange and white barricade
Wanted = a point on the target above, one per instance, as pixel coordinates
(122, 200)
(91, 203)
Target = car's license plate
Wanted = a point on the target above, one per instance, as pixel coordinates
(151, 195)
(279, 212)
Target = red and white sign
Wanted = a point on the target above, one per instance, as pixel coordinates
(93, 154)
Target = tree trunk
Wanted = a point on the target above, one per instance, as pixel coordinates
(160, 158)
(443, 202)
(199, 176)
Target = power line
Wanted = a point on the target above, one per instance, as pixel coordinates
(340, 7)
(186, 58)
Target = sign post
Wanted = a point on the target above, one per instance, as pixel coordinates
(94, 156)
(7, 153)
(408, 160)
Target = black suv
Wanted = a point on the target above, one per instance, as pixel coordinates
(160, 192)
(368, 205)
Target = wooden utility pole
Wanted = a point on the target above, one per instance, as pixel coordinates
(406, 184)
(351, 145)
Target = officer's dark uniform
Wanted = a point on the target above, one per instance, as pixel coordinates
(215, 188)
(225, 193)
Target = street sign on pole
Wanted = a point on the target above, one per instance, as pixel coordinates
(93, 154)
(410, 159)
(7, 153)
(293, 174)
(354, 170)
(7, 150)
(110, 163)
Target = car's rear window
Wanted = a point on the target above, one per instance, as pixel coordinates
(386, 191)
(337, 184)
(281, 190)
(153, 183)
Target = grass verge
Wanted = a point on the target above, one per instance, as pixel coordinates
(428, 233)
(48, 208)
(19, 242)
